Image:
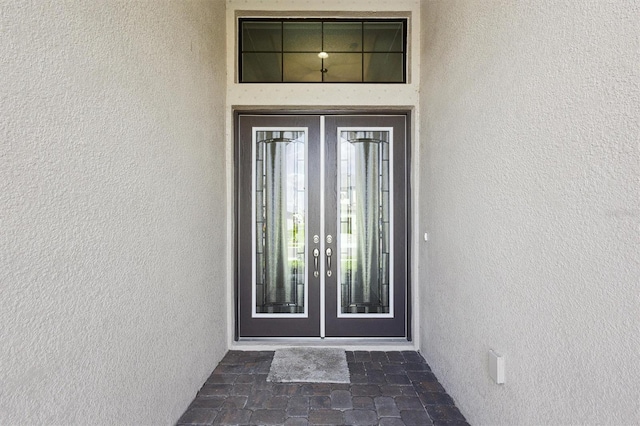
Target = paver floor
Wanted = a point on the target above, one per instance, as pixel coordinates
(387, 388)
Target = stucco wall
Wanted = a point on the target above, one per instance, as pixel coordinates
(530, 189)
(112, 208)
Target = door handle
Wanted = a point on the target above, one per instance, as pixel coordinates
(316, 254)
(329, 252)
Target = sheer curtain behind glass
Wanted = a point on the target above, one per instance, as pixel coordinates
(277, 270)
(364, 222)
(367, 219)
(280, 222)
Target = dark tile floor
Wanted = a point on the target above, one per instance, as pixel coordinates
(387, 388)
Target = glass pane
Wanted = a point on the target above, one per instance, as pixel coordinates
(383, 37)
(343, 67)
(343, 37)
(280, 222)
(383, 67)
(299, 42)
(262, 36)
(261, 67)
(364, 222)
(302, 67)
(303, 37)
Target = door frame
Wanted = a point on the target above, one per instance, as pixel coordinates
(408, 203)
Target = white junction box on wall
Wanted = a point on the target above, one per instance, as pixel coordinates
(496, 367)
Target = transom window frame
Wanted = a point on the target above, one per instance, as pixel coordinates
(404, 45)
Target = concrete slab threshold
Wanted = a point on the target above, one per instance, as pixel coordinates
(348, 344)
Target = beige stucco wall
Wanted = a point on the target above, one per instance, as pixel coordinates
(112, 209)
(530, 189)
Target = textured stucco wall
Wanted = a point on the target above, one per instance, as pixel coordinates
(530, 189)
(112, 208)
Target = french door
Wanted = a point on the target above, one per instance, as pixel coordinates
(321, 225)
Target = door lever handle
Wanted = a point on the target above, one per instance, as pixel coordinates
(316, 254)
(329, 252)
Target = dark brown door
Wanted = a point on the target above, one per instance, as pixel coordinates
(366, 202)
(322, 225)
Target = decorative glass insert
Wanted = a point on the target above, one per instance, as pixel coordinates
(322, 51)
(280, 221)
(365, 222)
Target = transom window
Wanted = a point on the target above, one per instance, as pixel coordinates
(322, 51)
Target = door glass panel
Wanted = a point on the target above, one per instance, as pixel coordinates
(365, 222)
(280, 222)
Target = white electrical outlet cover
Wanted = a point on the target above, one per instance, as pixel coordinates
(496, 367)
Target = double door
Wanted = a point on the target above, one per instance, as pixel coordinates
(321, 225)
